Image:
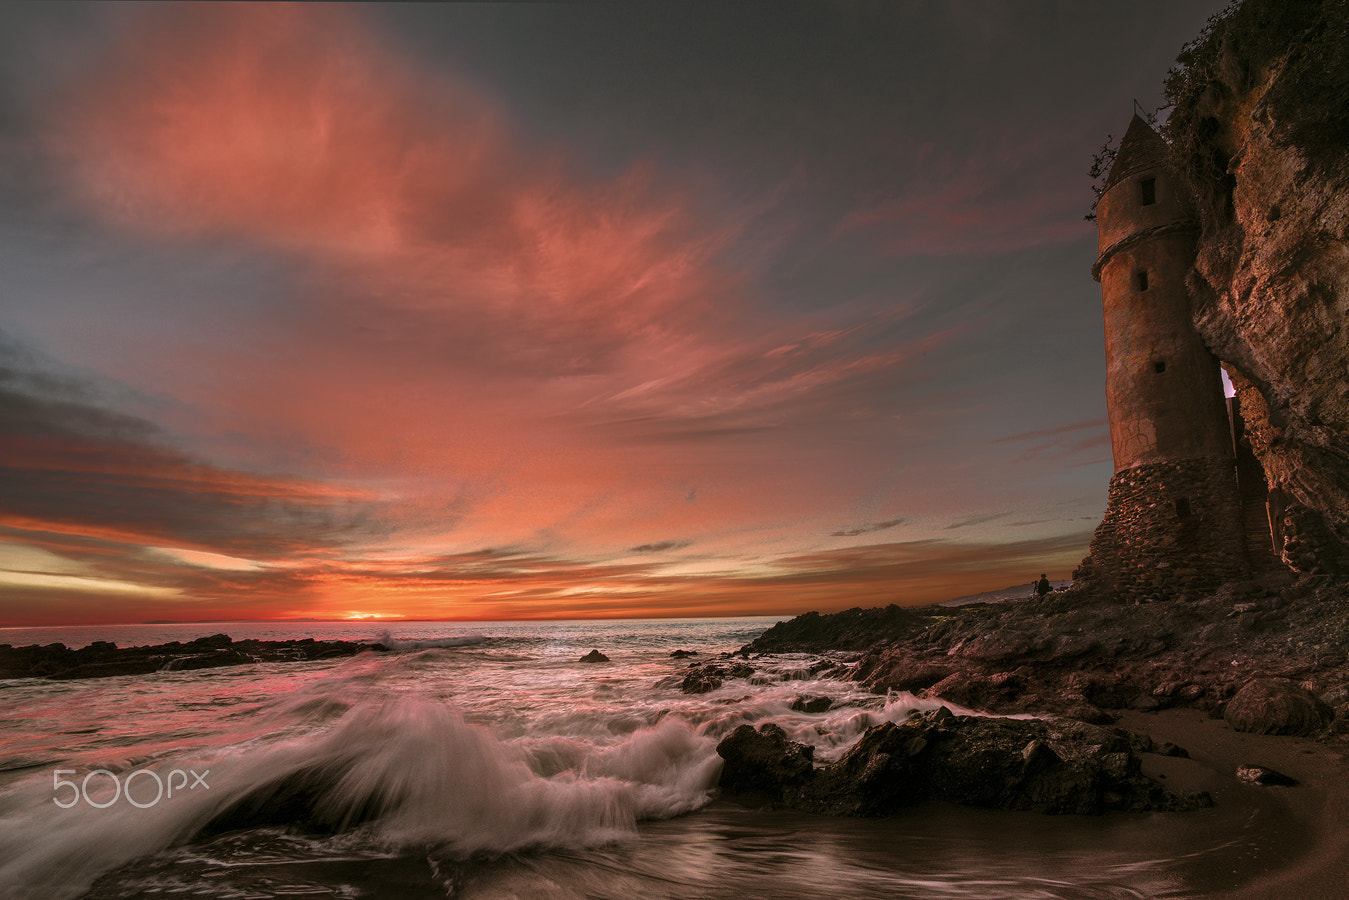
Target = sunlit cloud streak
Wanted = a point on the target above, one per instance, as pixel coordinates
(71, 466)
(868, 528)
(471, 308)
(417, 344)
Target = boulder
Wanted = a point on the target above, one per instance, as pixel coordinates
(812, 704)
(1277, 706)
(977, 691)
(897, 672)
(594, 656)
(700, 682)
(763, 761)
(709, 676)
(1264, 776)
(1048, 766)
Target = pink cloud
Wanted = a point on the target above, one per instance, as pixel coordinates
(290, 125)
(493, 345)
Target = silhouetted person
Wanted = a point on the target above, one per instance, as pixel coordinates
(1042, 587)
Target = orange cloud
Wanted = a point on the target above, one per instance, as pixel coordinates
(481, 344)
(292, 126)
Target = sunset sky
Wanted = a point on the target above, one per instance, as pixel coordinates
(517, 310)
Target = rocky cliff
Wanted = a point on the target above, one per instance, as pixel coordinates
(1260, 132)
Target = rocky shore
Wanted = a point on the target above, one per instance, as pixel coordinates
(1086, 655)
(1268, 657)
(1048, 766)
(102, 659)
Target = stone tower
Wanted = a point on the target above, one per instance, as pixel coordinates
(1173, 517)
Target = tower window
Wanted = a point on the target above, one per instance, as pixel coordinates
(1183, 507)
(1141, 277)
(1159, 366)
(1148, 187)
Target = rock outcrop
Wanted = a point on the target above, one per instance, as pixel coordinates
(1055, 766)
(1082, 654)
(1259, 132)
(104, 659)
(852, 629)
(707, 677)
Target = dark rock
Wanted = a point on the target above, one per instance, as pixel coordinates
(763, 761)
(709, 676)
(1258, 131)
(700, 683)
(683, 654)
(853, 629)
(1054, 766)
(897, 672)
(1142, 743)
(995, 646)
(102, 659)
(1038, 754)
(1277, 706)
(1264, 776)
(1084, 712)
(979, 691)
(594, 656)
(812, 704)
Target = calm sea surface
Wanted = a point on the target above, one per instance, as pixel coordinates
(483, 760)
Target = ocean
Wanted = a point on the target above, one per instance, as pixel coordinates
(483, 760)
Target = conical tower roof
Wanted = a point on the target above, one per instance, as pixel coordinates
(1141, 148)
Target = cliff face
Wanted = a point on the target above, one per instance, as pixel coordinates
(1260, 132)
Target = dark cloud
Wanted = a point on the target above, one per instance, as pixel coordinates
(662, 547)
(71, 465)
(867, 529)
(971, 521)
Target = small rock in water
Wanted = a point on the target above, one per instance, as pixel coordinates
(812, 704)
(683, 654)
(594, 656)
(1262, 775)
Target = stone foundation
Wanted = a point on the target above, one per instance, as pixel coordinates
(1170, 529)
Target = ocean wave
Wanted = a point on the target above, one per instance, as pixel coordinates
(404, 771)
(390, 642)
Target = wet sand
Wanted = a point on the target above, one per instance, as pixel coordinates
(1309, 858)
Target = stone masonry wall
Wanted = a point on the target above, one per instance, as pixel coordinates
(1170, 529)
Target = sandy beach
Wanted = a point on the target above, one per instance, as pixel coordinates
(1309, 857)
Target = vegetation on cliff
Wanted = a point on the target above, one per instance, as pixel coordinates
(1309, 43)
